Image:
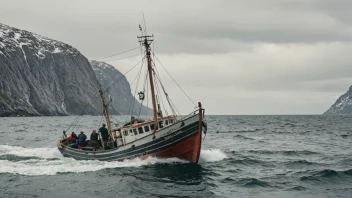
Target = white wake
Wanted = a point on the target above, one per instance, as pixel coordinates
(49, 161)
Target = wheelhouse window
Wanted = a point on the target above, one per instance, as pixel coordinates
(146, 128)
(171, 121)
(135, 132)
(131, 133)
(140, 130)
(166, 122)
(125, 132)
(152, 126)
(161, 124)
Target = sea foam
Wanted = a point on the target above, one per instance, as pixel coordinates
(212, 155)
(49, 161)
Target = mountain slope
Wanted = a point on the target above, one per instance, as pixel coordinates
(42, 76)
(119, 91)
(343, 105)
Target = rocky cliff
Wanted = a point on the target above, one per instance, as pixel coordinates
(42, 76)
(120, 92)
(343, 105)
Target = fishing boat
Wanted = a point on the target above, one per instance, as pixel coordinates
(163, 136)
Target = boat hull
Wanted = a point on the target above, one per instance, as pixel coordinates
(188, 149)
(182, 140)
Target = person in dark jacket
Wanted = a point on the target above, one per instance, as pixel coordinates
(104, 133)
(94, 139)
(82, 139)
(74, 135)
(72, 138)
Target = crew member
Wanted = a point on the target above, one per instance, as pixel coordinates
(104, 133)
(72, 138)
(94, 139)
(74, 135)
(81, 140)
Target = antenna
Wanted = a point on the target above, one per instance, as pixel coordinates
(145, 25)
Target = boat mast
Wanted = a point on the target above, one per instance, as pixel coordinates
(106, 112)
(146, 41)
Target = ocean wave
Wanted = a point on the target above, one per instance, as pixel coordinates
(345, 135)
(20, 130)
(326, 174)
(289, 152)
(245, 130)
(252, 182)
(228, 179)
(347, 161)
(301, 163)
(243, 137)
(240, 131)
(249, 162)
(296, 188)
(290, 124)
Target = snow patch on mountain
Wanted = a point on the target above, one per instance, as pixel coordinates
(343, 105)
(12, 38)
(43, 76)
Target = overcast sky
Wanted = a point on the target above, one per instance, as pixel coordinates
(236, 57)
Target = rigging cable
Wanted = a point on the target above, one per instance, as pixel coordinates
(147, 110)
(125, 74)
(145, 83)
(131, 86)
(123, 58)
(118, 53)
(157, 77)
(175, 81)
(100, 121)
(76, 120)
(162, 86)
(134, 80)
(158, 90)
(134, 99)
(172, 107)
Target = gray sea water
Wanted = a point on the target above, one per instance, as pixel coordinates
(242, 156)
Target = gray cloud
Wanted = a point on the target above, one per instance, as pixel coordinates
(183, 24)
(243, 57)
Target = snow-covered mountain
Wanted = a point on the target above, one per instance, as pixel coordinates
(343, 105)
(42, 76)
(123, 100)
